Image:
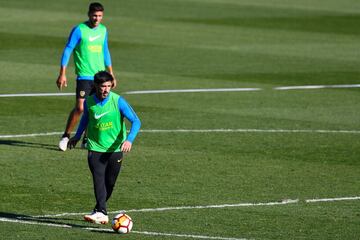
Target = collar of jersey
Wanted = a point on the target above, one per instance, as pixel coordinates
(95, 28)
(102, 102)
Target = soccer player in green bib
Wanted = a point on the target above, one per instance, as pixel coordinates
(89, 45)
(103, 117)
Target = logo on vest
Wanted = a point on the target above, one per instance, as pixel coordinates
(100, 115)
(91, 39)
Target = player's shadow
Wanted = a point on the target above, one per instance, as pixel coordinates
(13, 217)
(56, 222)
(17, 143)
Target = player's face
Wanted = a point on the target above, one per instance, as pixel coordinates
(103, 90)
(95, 18)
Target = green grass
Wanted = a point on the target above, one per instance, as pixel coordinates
(190, 44)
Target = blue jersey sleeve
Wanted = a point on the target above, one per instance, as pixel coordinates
(107, 57)
(74, 39)
(126, 110)
(83, 122)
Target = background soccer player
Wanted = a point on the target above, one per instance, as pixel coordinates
(89, 42)
(103, 116)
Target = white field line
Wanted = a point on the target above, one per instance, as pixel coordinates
(34, 222)
(284, 202)
(37, 94)
(168, 234)
(316, 87)
(31, 135)
(288, 201)
(331, 199)
(187, 236)
(139, 92)
(248, 131)
(194, 90)
(191, 90)
(205, 131)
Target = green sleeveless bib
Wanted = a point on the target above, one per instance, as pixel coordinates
(89, 53)
(106, 127)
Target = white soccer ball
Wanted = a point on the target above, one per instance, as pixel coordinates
(122, 223)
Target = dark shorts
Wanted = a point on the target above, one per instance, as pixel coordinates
(84, 88)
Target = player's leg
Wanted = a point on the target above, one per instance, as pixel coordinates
(97, 164)
(83, 88)
(89, 91)
(112, 172)
(73, 119)
(75, 115)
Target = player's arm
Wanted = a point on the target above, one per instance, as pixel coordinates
(126, 110)
(107, 60)
(81, 128)
(73, 40)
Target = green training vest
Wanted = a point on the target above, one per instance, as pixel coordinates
(106, 129)
(89, 53)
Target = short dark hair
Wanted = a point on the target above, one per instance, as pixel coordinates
(95, 7)
(103, 76)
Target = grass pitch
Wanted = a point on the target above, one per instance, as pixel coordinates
(191, 44)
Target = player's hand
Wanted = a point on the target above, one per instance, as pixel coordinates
(72, 142)
(109, 69)
(114, 83)
(126, 147)
(61, 81)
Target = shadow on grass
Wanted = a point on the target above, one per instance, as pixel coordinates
(48, 221)
(17, 143)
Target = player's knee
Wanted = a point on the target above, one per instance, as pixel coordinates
(79, 109)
